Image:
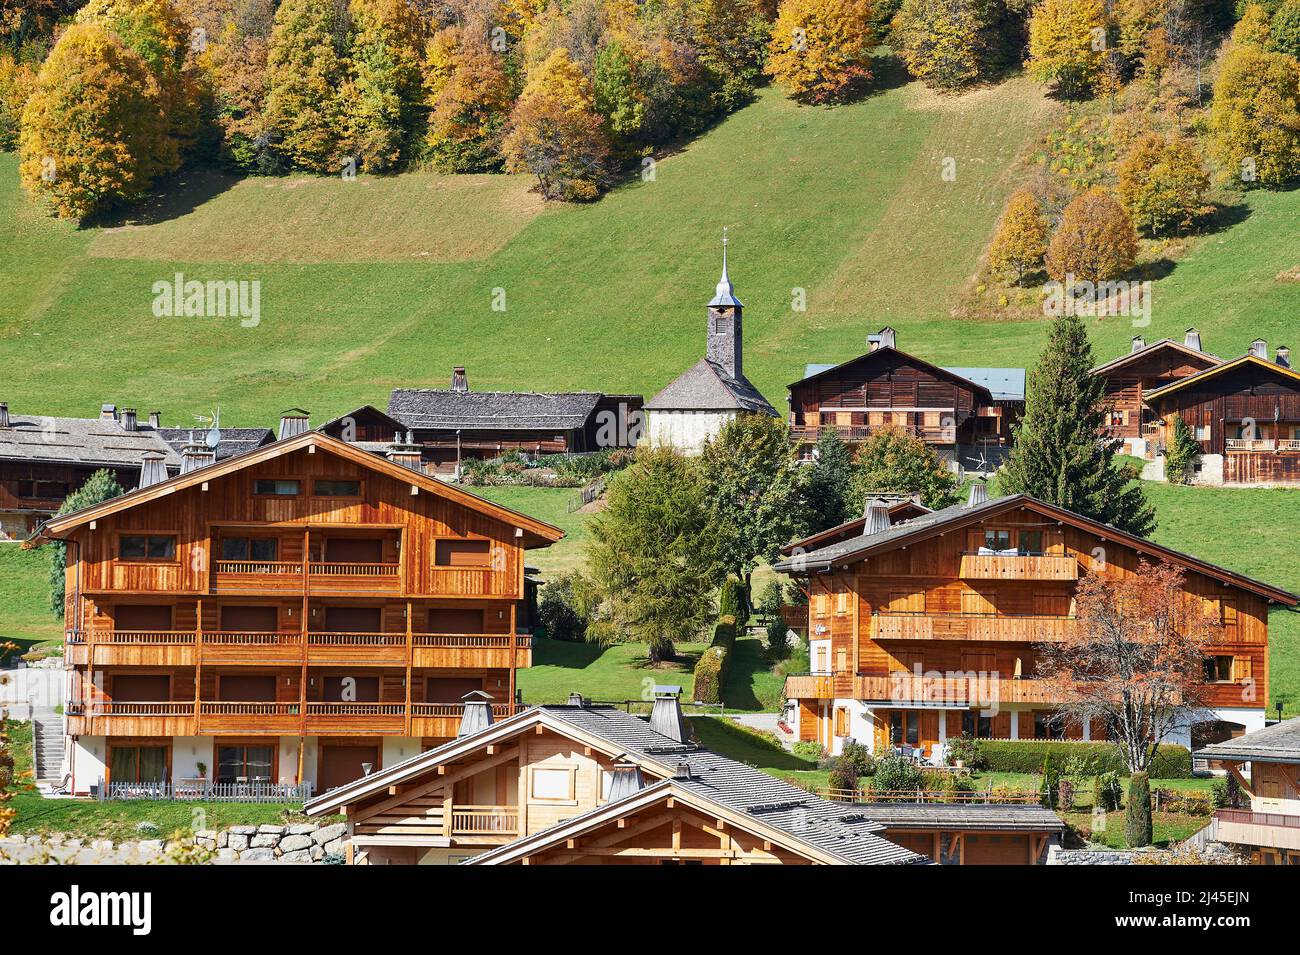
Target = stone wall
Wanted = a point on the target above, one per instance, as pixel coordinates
(302, 843)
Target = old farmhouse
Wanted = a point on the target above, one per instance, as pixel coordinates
(1266, 765)
(289, 616)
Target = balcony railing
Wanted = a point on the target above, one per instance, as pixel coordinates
(336, 639)
(259, 567)
(120, 708)
(499, 710)
(808, 434)
(341, 569)
(1262, 444)
(1249, 817)
(252, 638)
(484, 821)
(202, 789)
(254, 646)
(990, 627)
(994, 566)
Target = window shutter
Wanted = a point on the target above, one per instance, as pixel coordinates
(1242, 668)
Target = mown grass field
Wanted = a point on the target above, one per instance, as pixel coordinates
(25, 596)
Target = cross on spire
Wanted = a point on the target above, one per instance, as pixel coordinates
(725, 294)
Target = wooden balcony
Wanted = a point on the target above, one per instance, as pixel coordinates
(980, 627)
(369, 648)
(1262, 444)
(850, 434)
(1272, 830)
(904, 688)
(466, 650)
(153, 648)
(250, 646)
(976, 566)
(250, 717)
(325, 577)
(112, 718)
(485, 821)
(809, 686)
(344, 718)
(442, 720)
(319, 577)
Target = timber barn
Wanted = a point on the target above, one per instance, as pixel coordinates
(291, 616)
(965, 414)
(587, 784)
(928, 628)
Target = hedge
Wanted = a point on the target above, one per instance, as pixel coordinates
(1090, 759)
(711, 670)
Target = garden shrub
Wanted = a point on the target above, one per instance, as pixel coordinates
(1085, 759)
(896, 774)
(1107, 792)
(844, 774)
(967, 750)
(1049, 789)
(711, 671)
(860, 756)
(808, 750)
(560, 613)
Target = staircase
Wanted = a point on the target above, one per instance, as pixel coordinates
(47, 742)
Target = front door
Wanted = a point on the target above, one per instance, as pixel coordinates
(341, 764)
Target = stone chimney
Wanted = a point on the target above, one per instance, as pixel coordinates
(478, 713)
(666, 717)
(4, 414)
(724, 343)
(1192, 339)
(1259, 348)
(626, 780)
(885, 338)
(128, 419)
(459, 380)
(153, 468)
(979, 494)
(294, 422)
(195, 455)
(406, 453)
(155, 419)
(575, 699)
(1283, 359)
(108, 412)
(1137, 344)
(877, 517)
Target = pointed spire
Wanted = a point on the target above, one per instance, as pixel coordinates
(725, 293)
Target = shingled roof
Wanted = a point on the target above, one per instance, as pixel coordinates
(706, 386)
(1279, 743)
(96, 442)
(234, 441)
(441, 409)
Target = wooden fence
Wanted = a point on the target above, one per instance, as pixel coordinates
(203, 790)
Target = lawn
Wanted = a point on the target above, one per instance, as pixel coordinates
(550, 505)
(25, 596)
(612, 674)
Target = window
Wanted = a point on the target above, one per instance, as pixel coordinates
(997, 540)
(333, 488)
(275, 487)
(552, 783)
(245, 764)
(905, 727)
(1202, 432)
(463, 553)
(146, 547)
(1228, 611)
(42, 489)
(249, 548)
(975, 725)
(1218, 669)
(1045, 727)
(137, 764)
(1030, 542)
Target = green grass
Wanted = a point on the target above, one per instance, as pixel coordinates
(758, 750)
(616, 673)
(550, 505)
(25, 596)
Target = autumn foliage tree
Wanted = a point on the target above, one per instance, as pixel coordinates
(470, 97)
(305, 75)
(94, 131)
(555, 133)
(383, 90)
(892, 459)
(1255, 116)
(1066, 43)
(1285, 29)
(820, 50)
(1021, 240)
(1094, 242)
(944, 43)
(1162, 184)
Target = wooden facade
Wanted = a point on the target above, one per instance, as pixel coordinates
(1266, 766)
(1144, 369)
(307, 590)
(938, 633)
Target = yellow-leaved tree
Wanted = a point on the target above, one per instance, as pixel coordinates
(555, 132)
(1255, 117)
(1162, 184)
(943, 42)
(469, 98)
(305, 76)
(1094, 242)
(1067, 44)
(1021, 240)
(94, 130)
(384, 89)
(820, 50)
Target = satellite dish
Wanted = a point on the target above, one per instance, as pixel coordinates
(212, 438)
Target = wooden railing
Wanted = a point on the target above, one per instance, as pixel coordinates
(249, 638)
(808, 434)
(120, 708)
(144, 636)
(810, 686)
(499, 710)
(977, 688)
(920, 626)
(1249, 817)
(356, 709)
(484, 821)
(1262, 444)
(249, 708)
(470, 641)
(976, 566)
(336, 568)
(208, 791)
(276, 567)
(332, 639)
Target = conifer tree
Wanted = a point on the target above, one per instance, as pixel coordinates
(1061, 454)
(305, 76)
(828, 489)
(1021, 240)
(893, 460)
(1181, 453)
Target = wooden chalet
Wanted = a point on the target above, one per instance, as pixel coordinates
(1266, 765)
(593, 785)
(287, 616)
(1245, 414)
(928, 628)
(1145, 368)
(964, 413)
(44, 458)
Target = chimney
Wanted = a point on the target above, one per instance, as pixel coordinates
(155, 419)
(108, 412)
(4, 414)
(877, 517)
(1259, 348)
(195, 456)
(1137, 344)
(1283, 359)
(459, 380)
(626, 780)
(979, 494)
(666, 717)
(1192, 339)
(294, 422)
(406, 453)
(153, 468)
(478, 713)
(724, 343)
(683, 771)
(575, 699)
(882, 339)
(128, 419)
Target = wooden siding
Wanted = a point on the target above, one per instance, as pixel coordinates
(1126, 385)
(1221, 402)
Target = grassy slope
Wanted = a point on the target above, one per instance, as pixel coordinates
(550, 505)
(613, 674)
(25, 595)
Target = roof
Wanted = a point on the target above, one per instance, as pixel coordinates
(442, 409)
(1003, 818)
(233, 442)
(1147, 350)
(1216, 370)
(335, 424)
(928, 525)
(852, 527)
(844, 832)
(542, 534)
(1279, 743)
(817, 370)
(1004, 384)
(706, 386)
(97, 442)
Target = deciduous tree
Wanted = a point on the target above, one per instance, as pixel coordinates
(820, 50)
(1061, 454)
(101, 486)
(1285, 28)
(945, 43)
(1021, 240)
(305, 75)
(1162, 184)
(1095, 240)
(470, 98)
(1255, 116)
(383, 92)
(893, 460)
(1067, 43)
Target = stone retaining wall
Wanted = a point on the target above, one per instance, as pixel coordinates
(302, 843)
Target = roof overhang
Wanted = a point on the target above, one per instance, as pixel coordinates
(885, 349)
(1214, 372)
(1149, 350)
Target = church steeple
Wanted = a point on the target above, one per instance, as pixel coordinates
(724, 341)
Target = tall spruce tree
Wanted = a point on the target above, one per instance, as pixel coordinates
(828, 490)
(1061, 454)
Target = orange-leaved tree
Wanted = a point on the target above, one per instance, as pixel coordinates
(820, 50)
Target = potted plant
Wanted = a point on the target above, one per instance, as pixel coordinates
(202, 769)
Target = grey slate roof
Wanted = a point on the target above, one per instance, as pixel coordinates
(1148, 349)
(964, 816)
(1005, 384)
(433, 408)
(706, 386)
(1279, 743)
(87, 441)
(234, 441)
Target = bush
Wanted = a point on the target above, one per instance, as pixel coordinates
(1089, 759)
(1185, 803)
(806, 749)
(711, 670)
(1107, 792)
(1137, 819)
(1065, 795)
(844, 774)
(967, 750)
(560, 613)
(896, 774)
(860, 756)
(1049, 790)
(778, 639)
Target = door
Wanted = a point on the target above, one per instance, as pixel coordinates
(353, 620)
(250, 619)
(147, 617)
(340, 765)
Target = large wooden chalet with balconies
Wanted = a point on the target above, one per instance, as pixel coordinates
(291, 616)
(929, 627)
